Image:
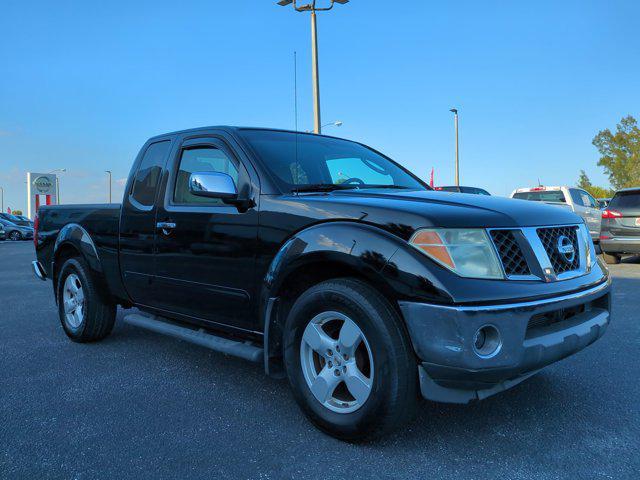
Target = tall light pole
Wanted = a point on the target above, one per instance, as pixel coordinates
(2, 197)
(61, 170)
(109, 172)
(311, 7)
(455, 117)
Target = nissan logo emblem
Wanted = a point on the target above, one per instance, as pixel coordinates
(566, 249)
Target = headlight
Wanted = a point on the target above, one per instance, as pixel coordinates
(466, 252)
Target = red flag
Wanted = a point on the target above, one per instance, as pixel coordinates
(431, 178)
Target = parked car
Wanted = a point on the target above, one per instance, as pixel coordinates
(16, 232)
(454, 188)
(362, 291)
(16, 220)
(25, 219)
(575, 199)
(621, 225)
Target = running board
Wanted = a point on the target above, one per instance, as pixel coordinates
(247, 351)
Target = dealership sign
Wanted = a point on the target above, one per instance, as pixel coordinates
(41, 190)
(43, 185)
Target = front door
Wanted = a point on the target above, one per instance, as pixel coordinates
(205, 260)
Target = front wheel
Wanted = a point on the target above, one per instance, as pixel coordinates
(84, 314)
(349, 360)
(15, 236)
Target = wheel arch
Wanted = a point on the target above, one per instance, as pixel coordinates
(74, 241)
(318, 253)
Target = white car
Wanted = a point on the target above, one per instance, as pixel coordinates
(575, 199)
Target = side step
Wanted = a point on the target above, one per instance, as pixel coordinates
(199, 337)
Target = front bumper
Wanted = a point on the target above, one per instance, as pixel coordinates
(532, 335)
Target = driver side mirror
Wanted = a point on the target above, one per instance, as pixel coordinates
(213, 185)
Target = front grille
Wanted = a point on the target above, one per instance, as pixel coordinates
(510, 252)
(550, 238)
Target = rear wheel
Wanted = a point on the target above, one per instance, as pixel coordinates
(611, 258)
(84, 314)
(349, 361)
(15, 236)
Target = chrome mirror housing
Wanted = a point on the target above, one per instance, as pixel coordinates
(212, 185)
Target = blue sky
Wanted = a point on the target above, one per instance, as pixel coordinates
(84, 83)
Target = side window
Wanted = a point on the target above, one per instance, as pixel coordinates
(577, 197)
(206, 159)
(591, 201)
(146, 180)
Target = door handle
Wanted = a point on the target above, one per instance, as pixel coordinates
(166, 227)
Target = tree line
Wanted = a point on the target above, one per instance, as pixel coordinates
(619, 156)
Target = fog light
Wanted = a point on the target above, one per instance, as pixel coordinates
(486, 341)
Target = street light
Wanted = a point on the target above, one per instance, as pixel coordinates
(109, 172)
(61, 170)
(455, 116)
(311, 7)
(334, 124)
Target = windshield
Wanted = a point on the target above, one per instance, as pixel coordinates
(304, 160)
(542, 196)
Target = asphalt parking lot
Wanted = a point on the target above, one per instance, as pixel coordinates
(139, 405)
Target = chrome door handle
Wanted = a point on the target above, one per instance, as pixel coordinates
(166, 227)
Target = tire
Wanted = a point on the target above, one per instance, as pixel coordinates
(15, 236)
(392, 379)
(92, 318)
(611, 258)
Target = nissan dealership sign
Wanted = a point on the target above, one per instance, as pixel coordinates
(41, 190)
(43, 185)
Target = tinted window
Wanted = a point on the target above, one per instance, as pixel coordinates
(474, 190)
(449, 189)
(577, 197)
(148, 174)
(623, 200)
(304, 159)
(209, 159)
(541, 196)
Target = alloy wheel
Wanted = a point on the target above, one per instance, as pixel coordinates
(337, 362)
(73, 301)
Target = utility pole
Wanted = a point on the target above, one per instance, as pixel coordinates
(317, 126)
(315, 72)
(109, 172)
(455, 119)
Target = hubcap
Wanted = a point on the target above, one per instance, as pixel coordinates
(73, 301)
(336, 362)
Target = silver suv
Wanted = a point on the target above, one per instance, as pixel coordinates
(575, 199)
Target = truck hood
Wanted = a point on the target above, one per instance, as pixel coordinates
(416, 208)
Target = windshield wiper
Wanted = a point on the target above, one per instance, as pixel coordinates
(323, 187)
(397, 187)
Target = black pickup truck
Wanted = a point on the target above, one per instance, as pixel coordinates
(334, 266)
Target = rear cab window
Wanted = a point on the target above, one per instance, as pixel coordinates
(145, 183)
(542, 196)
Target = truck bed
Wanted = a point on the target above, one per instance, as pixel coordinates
(100, 221)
